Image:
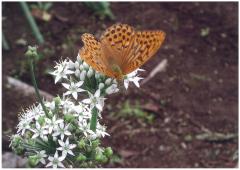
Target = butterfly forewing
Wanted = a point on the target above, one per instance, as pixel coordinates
(116, 42)
(146, 44)
(92, 54)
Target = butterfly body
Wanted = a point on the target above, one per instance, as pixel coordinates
(120, 50)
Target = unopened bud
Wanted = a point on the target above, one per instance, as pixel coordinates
(89, 73)
(85, 65)
(108, 152)
(81, 67)
(81, 158)
(76, 65)
(83, 75)
(81, 144)
(101, 86)
(69, 118)
(108, 81)
(33, 160)
(41, 120)
(77, 73)
(57, 100)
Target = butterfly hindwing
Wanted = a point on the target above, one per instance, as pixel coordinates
(146, 44)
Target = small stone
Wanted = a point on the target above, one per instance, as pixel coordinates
(11, 160)
(188, 138)
(161, 148)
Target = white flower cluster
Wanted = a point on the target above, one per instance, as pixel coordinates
(33, 121)
(54, 136)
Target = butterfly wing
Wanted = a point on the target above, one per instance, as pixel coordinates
(146, 44)
(116, 42)
(93, 55)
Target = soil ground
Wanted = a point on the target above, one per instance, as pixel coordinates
(199, 89)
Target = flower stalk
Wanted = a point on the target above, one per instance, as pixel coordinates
(93, 123)
(31, 54)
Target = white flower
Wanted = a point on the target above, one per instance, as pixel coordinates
(132, 77)
(50, 105)
(82, 110)
(85, 128)
(62, 70)
(33, 112)
(70, 64)
(40, 131)
(66, 148)
(61, 130)
(101, 131)
(52, 123)
(41, 155)
(23, 126)
(95, 100)
(55, 161)
(73, 88)
(66, 105)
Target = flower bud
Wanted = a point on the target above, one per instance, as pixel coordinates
(54, 138)
(95, 143)
(19, 150)
(16, 141)
(77, 73)
(108, 81)
(76, 65)
(33, 161)
(57, 100)
(81, 158)
(101, 86)
(41, 120)
(79, 59)
(68, 118)
(85, 65)
(101, 158)
(32, 52)
(81, 67)
(81, 144)
(97, 76)
(98, 157)
(114, 81)
(83, 75)
(108, 152)
(89, 73)
(112, 89)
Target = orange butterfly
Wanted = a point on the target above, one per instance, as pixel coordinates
(120, 50)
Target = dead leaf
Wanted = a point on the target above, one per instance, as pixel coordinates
(127, 153)
(150, 107)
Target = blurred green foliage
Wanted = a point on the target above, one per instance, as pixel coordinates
(136, 111)
(44, 6)
(101, 9)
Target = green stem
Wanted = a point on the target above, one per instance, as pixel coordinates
(93, 122)
(5, 43)
(32, 22)
(35, 86)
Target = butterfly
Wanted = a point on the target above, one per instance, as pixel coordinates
(120, 50)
